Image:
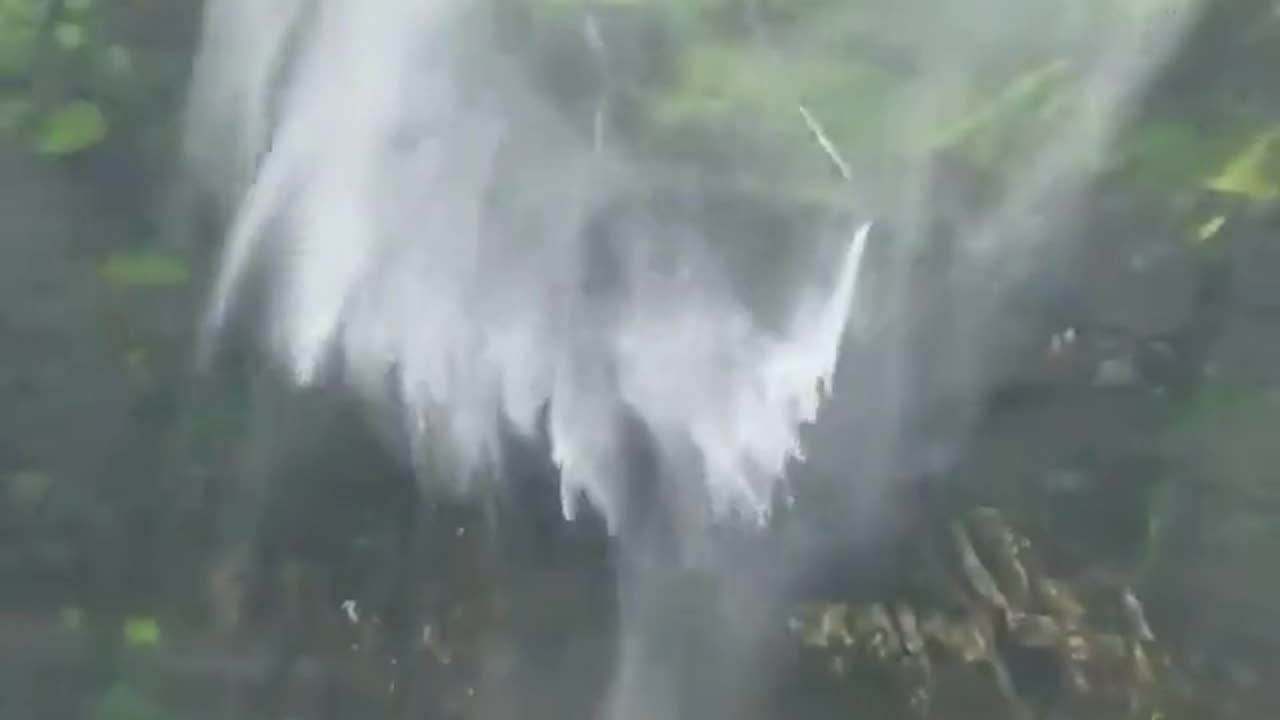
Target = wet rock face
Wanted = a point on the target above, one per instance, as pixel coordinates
(1249, 345)
(54, 342)
(1130, 390)
(65, 395)
(86, 388)
(1138, 283)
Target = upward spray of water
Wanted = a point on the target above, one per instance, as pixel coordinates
(423, 220)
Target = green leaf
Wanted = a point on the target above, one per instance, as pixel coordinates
(149, 269)
(1246, 173)
(72, 128)
(1021, 113)
(141, 631)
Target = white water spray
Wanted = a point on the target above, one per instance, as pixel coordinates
(421, 217)
(425, 225)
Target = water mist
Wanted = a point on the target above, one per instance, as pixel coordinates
(424, 226)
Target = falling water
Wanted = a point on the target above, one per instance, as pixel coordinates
(424, 230)
(430, 229)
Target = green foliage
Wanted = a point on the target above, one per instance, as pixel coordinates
(1251, 172)
(144, 269)
(1159, 151)
(735, 85)
(732, 76)
(141, 632)
(990, 126)
(76, 126)
(66, 74)
(22, 23)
